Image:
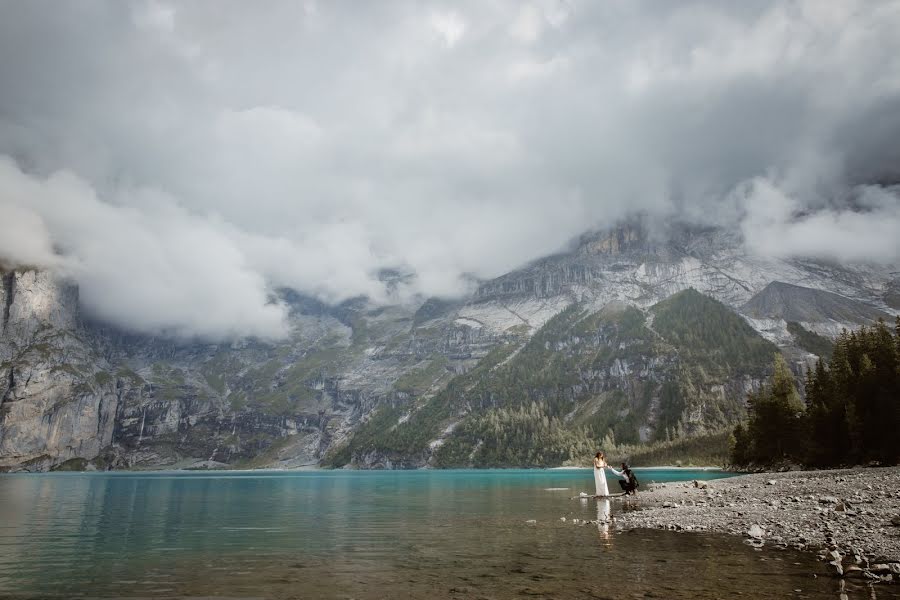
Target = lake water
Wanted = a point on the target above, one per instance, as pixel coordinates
(384, 534)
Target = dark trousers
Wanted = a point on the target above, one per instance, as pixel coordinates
(627, 486)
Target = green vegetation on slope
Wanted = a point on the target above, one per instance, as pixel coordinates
(852, 411)
(513, 437)
(810, 341)
(531, 404)
(708, 450)
(421, 380)
(385, 434)
(280, 382)
(583, 380)
(292, 390)
(708, 334)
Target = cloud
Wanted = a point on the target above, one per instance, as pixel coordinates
(448, 26)
(151, 267)
(24, 239)
(222, 153)
(777, 224)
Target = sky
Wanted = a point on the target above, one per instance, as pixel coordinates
(183, 161)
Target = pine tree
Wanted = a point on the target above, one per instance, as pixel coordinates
(852, 407)
(775, 424)
(739, 443)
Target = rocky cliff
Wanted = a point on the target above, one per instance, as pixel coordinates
(76, 393)
(57, 400)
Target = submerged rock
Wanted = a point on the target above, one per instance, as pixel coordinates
(835, 568)
(853, 571)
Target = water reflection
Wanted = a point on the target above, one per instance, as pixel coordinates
(362, 535)
(603, 518)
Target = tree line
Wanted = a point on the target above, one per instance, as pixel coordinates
(851, 414)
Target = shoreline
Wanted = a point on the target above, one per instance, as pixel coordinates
(849, 518)
(314, 469)
(646, 468)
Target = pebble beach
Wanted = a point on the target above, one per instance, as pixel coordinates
(849, 518)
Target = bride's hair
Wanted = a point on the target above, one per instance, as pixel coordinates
(598, 455)
(601, 456)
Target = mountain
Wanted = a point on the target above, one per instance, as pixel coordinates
(803, 320)
(73, 391)
(58, 398)
(683, 367)
(892, 294)
(780, 300)
(636, 333)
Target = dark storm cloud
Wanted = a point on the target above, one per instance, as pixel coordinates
(209, 152)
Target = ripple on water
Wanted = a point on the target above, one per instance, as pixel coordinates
(366, 535)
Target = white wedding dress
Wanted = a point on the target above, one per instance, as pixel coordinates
(600, 481)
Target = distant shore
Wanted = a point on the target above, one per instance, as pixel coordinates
(654, 468)
(211, 466)
(850, 518)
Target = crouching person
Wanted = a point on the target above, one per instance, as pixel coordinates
(629, 482)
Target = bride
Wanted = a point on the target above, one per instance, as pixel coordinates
(600, 474)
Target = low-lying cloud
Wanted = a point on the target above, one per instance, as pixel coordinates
(150, 262)
(777, 225)
(184, 161)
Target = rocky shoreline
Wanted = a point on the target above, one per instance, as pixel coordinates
(849, 518)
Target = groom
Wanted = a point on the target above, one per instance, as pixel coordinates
(630, 483)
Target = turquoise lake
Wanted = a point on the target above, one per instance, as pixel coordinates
(351, 534)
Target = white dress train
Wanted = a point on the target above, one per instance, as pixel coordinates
(600, 481)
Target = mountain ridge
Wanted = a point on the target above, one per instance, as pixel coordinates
(790, 302)
(298, 401)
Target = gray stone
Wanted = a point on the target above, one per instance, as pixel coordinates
(756, 531)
